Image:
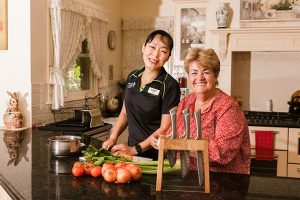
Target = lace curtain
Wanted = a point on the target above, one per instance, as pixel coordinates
(135, 31)
(71, 22)
(97, 41)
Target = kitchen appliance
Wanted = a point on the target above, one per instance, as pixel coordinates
(294, 153)
(286, 144)
(275, 119)
(64, 145)
(295, 103)
(89, 118)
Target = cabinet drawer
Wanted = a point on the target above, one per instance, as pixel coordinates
(294, 170)
(280, 136)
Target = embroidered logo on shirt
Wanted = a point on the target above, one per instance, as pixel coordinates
(153, 91)
(130, 85)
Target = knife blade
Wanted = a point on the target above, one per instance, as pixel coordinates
(199, 154)
(172, 154)
(185, 154)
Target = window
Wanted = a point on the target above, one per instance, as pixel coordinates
(79, 77)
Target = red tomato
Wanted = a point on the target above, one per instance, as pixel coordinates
(87, 167)
(123, 175)
(135, 170)
(110, 174)
(120, 165)
(106, 166)
(96, 171)
(78, 170)
(78, 163)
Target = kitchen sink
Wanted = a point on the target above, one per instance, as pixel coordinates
(69, 125)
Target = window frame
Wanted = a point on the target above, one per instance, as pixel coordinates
(93, 83)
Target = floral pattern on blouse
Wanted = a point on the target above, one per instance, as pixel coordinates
(224, 125)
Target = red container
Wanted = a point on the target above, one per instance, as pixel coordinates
(182, 82)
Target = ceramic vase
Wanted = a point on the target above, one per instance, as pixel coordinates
(223, 15)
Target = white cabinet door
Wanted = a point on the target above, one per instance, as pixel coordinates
(280, 136)
(123, 138)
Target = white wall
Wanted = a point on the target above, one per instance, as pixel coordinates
(15, 62)
(275, 76)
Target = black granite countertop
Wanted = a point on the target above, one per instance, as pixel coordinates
(35, 174)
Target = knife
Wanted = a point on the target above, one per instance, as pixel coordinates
(172, 154)
(185, 154)
(199, 154)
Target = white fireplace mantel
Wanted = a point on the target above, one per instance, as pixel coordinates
(257, 39)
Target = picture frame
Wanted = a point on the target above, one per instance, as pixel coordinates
(269, 13)
(3, 25)
(190, 28)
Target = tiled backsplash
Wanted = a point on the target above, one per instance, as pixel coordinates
(42, 113)
(258, 77)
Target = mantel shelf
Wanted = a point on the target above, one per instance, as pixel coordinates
(256, 30)
(258, 39)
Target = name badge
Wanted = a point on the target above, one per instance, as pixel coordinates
(153, 91)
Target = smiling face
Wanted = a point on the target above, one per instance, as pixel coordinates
(156, 52)
(201, 79)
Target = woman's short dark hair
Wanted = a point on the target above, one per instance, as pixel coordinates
(164, 35)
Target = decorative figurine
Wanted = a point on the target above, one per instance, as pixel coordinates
(13, 117)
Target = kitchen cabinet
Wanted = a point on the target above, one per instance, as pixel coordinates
(294, 153)
(190, 28)
(280, 148)
(123, 138)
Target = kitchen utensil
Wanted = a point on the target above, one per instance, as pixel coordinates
(61, 165)
(182, 144)
(64, 145)
(294, 104)
(184, 154)
(199, 154)
(172, 154)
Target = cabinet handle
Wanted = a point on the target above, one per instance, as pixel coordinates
(275, 132)
(253, 155)
(298, 169)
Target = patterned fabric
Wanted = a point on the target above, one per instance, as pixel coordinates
(225, 126)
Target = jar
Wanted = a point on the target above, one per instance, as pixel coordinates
(223, 15)
(182, 82)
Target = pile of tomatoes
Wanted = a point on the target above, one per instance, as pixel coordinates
(118, 173)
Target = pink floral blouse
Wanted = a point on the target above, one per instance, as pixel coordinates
(224, 125)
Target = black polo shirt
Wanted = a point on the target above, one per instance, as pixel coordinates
(146, 104)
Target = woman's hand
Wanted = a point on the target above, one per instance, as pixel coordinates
(108, 144)
(154, 140)
(123, 148)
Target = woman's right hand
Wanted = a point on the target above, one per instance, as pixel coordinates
(108, 144)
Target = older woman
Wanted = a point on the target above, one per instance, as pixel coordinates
(223, 122)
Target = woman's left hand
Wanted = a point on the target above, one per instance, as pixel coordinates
(123, 148)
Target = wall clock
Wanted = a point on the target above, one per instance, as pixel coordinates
(111, 40)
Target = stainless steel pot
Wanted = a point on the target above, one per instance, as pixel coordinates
(62, 165)
(64, 145)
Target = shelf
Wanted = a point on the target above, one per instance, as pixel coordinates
(14, 129)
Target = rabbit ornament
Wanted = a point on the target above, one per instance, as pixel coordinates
(13, 117)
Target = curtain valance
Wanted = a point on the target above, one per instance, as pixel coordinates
(140, 23)
(82, 7)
